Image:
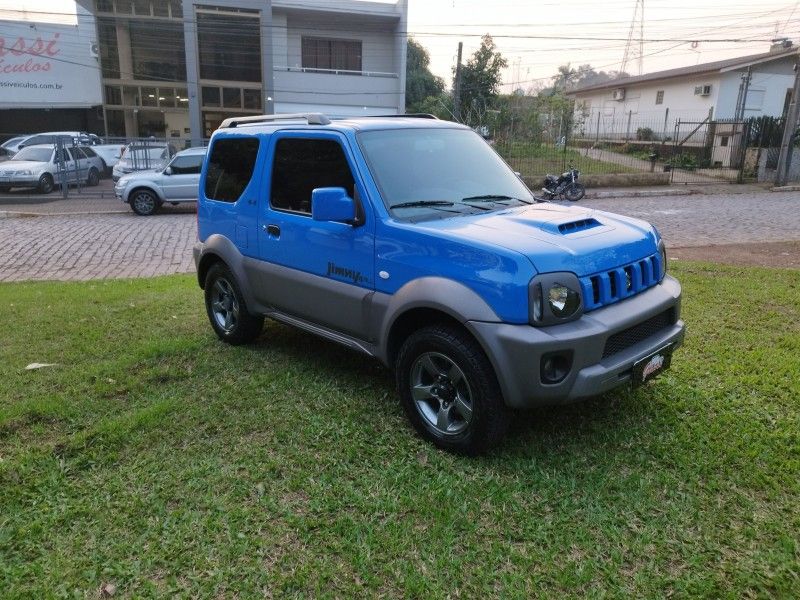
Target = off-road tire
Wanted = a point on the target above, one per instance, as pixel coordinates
(489, 416)
(244, 327)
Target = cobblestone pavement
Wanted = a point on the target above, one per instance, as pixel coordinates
(96, 246)
(700, 220)
(89, 246)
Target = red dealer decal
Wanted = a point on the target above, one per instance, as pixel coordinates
(30, 57)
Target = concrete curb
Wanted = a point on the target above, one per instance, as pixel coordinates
(785, 188)
(638, 193)
(7, 214)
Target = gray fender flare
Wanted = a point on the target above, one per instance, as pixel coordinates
(439, 293)
(221, 247)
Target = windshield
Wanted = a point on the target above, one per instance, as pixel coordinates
(12, 142)
(440, 172)
(34, 154)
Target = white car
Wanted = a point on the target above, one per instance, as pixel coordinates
(141, 156)
(109, 153)
(178, 181)
(43, 167)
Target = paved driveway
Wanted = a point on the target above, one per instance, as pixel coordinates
(88, 246)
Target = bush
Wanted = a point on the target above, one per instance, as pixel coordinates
(644, 134)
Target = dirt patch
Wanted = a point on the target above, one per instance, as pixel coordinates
(785, 255)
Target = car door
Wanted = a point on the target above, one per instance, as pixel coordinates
(77, 165)
(322, 271)
(182, 177)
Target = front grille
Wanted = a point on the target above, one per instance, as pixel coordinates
(608, 287)
(633, 335)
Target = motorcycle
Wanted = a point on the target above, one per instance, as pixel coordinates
(564, 187)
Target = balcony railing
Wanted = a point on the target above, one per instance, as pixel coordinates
(335, 71)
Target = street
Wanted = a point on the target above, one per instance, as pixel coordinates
(90, 243)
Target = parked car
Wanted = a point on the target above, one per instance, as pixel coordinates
(141, 156)
(109, 153)
(178, 181)
(44, 166)
(410, 240)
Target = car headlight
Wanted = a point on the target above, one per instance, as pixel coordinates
(26, 172)
(662, 252)
(554, 298)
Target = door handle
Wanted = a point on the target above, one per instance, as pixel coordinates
(272, 230)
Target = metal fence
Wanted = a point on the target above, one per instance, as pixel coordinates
(641, 152)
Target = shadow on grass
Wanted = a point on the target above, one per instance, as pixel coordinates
(582, 425)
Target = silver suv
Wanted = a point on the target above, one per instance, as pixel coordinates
(146, 191)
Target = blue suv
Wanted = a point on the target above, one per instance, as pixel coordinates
(410, 240)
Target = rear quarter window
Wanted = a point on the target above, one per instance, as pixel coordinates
(231, 162)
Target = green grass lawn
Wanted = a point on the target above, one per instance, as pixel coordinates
(157, 459)
(536, 160)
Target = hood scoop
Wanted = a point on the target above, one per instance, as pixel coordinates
(579, 225)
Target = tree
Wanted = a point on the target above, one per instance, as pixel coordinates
(420, 82)
(480, 81)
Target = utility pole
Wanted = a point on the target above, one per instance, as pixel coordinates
(789, 127)
(457, 85)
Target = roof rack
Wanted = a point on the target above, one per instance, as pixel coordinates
(311, 119)
(408, 115)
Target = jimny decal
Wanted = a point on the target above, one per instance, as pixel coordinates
(28, 56)
(345, 273)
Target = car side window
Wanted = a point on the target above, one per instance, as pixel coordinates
(186, 165)
(89, 152)
(230, 168)
(301, 165)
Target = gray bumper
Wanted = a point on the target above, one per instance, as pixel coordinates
(516, 350)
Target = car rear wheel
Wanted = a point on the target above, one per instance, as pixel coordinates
(46, 184)
(93, 178)
(227, 309)
(449, 390)
(144, 202)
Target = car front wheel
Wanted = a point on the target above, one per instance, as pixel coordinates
(449, 390)
(46, 184)
(227, 309)
(144, 203)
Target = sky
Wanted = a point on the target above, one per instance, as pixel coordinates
(440, 24)
(719, 28)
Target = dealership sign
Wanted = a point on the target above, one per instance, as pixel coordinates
(49, 65)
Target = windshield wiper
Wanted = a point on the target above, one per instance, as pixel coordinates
(417, 203)
(493, 198)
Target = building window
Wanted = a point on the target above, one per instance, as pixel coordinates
(158, 51)
(211, 97)
(231, 97)
(113, 95)
(660, 97)
(252, 99)
(723, 141)
(338, 55)
(229, 47)
(109, 56)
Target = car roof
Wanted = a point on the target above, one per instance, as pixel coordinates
(342, 124)
(191, 151)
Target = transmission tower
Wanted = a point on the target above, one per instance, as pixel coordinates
(637, 22)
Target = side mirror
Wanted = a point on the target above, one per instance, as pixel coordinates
(332, 204)
(168, 171)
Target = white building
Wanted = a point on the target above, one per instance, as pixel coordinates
(717, 90)
(177, 68)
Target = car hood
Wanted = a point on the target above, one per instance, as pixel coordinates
(144, 174)
(558, 238)
(24, 164)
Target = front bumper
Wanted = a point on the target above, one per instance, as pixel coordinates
(20, 181)
(516, 350)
